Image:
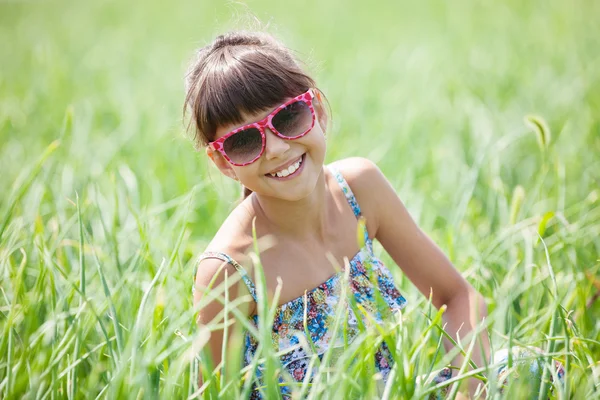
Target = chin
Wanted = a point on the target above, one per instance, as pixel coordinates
(298, 192)
(302, 190)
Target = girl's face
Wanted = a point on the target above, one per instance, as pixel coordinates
(300, 159)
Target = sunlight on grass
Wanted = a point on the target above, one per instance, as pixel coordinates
(485, 117)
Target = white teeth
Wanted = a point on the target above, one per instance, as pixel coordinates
(289, 170)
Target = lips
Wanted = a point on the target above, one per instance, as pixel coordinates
(285, 166)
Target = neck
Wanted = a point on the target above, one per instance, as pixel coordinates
(302, 218)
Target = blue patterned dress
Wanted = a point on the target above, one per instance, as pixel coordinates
(321, 302)
(288, 326)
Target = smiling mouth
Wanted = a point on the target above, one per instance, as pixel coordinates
(290, 171)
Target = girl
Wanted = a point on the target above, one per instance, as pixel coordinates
(263, 123)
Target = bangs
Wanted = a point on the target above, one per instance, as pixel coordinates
(242, 81)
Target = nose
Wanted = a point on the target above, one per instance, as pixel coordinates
(275, 147)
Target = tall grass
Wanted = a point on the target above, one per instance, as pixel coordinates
(484, 116)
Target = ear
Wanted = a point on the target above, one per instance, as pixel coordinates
(221, 163)
(322, 116)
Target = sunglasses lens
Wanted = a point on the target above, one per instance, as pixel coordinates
(294, 120)
(244, 146)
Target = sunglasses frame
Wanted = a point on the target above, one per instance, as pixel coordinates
(306, 97)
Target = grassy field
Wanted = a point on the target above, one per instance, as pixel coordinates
(485, 116)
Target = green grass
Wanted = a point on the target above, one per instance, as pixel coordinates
(485, 116)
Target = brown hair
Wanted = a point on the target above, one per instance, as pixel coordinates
(239, 73)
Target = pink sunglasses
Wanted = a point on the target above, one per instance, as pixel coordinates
(291, 120)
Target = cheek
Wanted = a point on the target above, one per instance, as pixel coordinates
(316, 136)
(318, 141)
(247, 172)
(316, 147)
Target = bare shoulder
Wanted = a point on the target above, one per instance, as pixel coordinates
(360, 173)
(234, 237)
(228, 247)
(218, 278)
(367, 182)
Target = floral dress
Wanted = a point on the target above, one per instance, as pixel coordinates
(289, 328)
(321, 302)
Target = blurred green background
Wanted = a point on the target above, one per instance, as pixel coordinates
(438, 94)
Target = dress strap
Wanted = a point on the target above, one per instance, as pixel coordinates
(242, 271)
(352, 201)
(347, 191)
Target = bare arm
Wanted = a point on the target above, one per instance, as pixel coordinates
(211, 311)
(420, 258)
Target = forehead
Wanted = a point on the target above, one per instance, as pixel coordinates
(247, 119)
